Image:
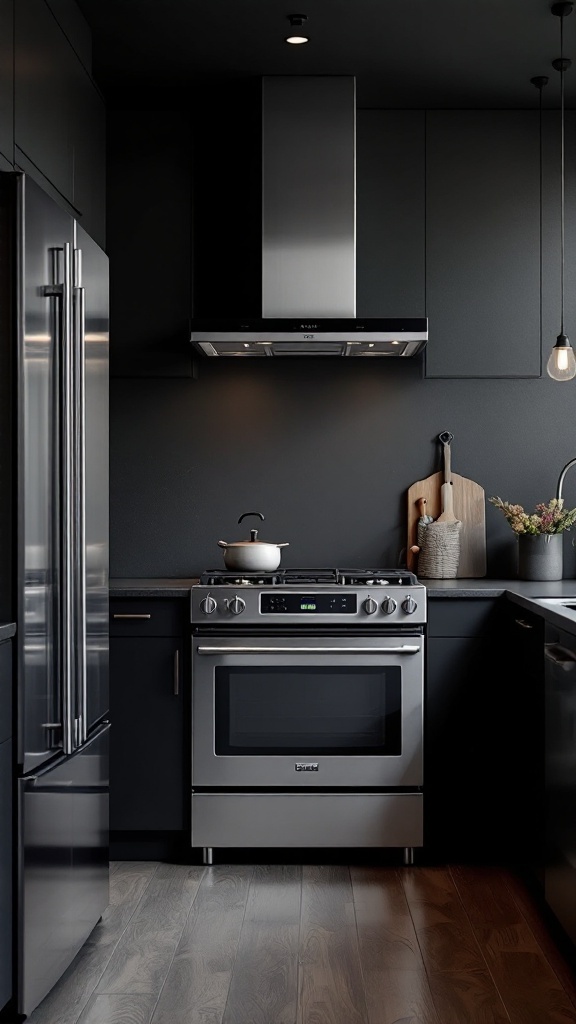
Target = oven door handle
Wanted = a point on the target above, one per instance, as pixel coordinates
(402, 649)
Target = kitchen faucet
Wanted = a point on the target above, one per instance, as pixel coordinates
(561, 478)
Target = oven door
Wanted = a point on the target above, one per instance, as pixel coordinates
(307, 711)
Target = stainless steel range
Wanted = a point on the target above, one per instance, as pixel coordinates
(307, 709)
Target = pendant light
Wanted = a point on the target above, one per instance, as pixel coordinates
(562, 364)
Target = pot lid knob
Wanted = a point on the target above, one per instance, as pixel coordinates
(253, 534)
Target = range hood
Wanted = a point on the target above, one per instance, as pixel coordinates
(309, 236)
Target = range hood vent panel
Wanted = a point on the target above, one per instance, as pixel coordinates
(308, 197)
(309, 235)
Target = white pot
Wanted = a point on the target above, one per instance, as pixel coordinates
(252, 555)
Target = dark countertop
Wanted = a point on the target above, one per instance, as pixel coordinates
(7, 629)
(526, 593)
(175, 587)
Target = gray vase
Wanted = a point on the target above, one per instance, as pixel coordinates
(540, 556)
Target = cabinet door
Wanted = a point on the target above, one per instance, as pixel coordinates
(5, 872)
(7, 81)
(149, 780)
(44, 80)
(483, 243)
(390, 208)
(469, 793)
(149, 169)
(5, 690)
(89, 140)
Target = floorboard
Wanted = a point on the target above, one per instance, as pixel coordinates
(318, 944)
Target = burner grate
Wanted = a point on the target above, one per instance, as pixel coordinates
(308, 577)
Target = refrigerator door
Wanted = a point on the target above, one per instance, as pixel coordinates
(63, 859)
(91, 473)
(43, 298)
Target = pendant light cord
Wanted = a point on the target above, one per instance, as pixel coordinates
(562, 72)
(561, 65)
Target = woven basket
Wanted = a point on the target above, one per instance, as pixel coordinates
(439, 554)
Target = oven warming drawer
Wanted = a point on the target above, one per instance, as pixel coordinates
(307, 819)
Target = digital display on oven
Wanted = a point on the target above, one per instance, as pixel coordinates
(308, 604)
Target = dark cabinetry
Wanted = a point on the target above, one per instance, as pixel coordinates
(58, 114)
(483, 243)
(523, 756)
(6, 887)
(469, 795)
(390, 190)
(149, 698)
(6, 82)
(150, 170)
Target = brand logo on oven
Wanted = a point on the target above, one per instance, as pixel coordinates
(302, 766)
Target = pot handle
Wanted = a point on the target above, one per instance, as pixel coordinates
(222, 544)
(244, 514)
(286, 545)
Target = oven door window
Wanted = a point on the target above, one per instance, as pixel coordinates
(339, 710)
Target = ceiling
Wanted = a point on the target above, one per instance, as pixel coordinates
(407, 53)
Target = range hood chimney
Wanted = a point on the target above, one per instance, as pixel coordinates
(309, 235)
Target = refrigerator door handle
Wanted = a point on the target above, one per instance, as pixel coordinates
(79, 354)
(67, 393)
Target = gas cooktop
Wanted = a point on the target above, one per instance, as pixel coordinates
(305, 577)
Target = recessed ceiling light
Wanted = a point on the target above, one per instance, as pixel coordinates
(296, 21)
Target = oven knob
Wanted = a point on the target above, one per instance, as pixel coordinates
(389, 605)
(409, 605)
(236, 605)
(370, 606)
(208, 605)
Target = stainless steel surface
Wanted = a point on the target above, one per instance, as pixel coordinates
(560, 776)
(309, 235)
(67, 510)
(42, 325)
(299, 655)
(357, 649)
(308, 196)
(125, 615)
(366, 337)
(352, 819)
(96, 454)
(59, 332)
(63, 815)
(307, 682)
(79, 472)
(253, 613)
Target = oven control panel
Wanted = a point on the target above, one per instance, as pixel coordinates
(363, 606)
(308, 604)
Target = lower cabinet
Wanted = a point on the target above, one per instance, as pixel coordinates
(472, 774)
(149, 710)
(6, 814)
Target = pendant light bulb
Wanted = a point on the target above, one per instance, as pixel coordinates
(562, 362)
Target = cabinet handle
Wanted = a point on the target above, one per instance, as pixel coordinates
(523, 624)
(125, 615)
(176, 672)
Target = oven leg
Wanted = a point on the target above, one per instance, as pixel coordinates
(207, 855)
(408, 854)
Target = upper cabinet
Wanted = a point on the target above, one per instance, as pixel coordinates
(59, 116)
(390, 213)
(6, 82)
(483, 267)
(150, 242)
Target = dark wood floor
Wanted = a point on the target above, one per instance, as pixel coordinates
(317, 944)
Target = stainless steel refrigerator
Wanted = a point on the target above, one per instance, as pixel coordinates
(56, 278)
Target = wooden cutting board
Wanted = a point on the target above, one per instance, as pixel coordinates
(469, 506)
